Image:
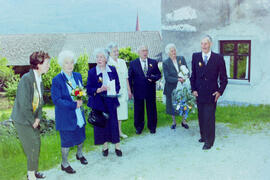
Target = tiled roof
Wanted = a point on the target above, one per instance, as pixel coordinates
(17, 48)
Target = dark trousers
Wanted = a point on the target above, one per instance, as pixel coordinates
(206, 115)
(151, 111)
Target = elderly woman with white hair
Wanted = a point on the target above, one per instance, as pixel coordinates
(69, 116)
(122, 71)
(171, 69)
(102, 87)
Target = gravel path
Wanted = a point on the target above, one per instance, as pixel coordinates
(177, 155)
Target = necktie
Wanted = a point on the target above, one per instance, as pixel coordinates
(144, 67)
(205, 60)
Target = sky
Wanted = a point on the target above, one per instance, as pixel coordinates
(78, 16)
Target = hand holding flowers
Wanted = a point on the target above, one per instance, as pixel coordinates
(78, 93)
(183, 74)
(182, 99)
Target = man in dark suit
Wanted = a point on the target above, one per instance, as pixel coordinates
(143, 74)
(208, 68)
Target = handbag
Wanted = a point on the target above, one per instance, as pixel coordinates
(98, 118)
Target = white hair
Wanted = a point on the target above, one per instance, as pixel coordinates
(110, 46)
(66, 55)
(141, 47)
(168, 48)
(101, 51)
(208, 37)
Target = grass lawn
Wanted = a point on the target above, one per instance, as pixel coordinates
(249, 118)
(13, 161)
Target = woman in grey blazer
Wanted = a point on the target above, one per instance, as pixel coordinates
(27, 110)
(171, 67)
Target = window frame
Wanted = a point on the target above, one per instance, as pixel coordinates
(236, 54)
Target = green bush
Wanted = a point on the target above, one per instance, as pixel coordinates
(53, 71)
(46, 125)
(47, 79)
(8, 79)
(127, 54)
(11, 87)
(82, 67)
(6, 73)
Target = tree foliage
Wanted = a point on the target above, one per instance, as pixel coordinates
(53, 71)
(127, 54)
(82, 67)
(6, 73)
(8, 79)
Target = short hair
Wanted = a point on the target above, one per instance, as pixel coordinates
(168, 47)
(64, 55)
(142, 46)
(38, 57)
(207, 37)
(110, 46)
(101, 51)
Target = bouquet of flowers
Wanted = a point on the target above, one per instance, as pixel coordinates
(183, 72)
(182, 99)
(79, 93)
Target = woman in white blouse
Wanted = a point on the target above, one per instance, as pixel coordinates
(125, 93)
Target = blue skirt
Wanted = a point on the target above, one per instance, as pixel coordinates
(72, 138)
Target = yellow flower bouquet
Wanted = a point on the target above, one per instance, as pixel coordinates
(78, 93)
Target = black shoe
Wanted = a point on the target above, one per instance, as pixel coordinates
(173, 126)
(138, 132)
(82, 159)
(185, 125)
(206, 147)
(201, 140)
(39, 175)
(153, 131)
(105, 152)
(68, 169)
(118, 152)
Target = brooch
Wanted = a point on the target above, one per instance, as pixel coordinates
(69, 83)
(100, 79)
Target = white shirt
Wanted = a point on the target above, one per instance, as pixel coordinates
(105, 75)
(38, 81)
(176, 65)
(142, 63)
(208, 55)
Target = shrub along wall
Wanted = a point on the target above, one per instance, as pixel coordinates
(9, 80)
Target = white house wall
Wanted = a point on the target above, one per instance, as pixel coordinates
(224, 20)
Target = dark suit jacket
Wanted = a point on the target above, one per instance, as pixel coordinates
(22, 112)
(65, 115)
(204, 79)
(139, 84)
(96, 100)
(170, 74)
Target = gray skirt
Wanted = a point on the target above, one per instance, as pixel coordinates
(169, 106)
